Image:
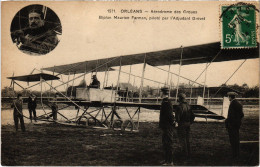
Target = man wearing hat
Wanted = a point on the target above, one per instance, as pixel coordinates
(32, 106)
(166, 124)
(233, 122)
(184, 118)
(54, 107)
(18, 112)
(95, 82)
(37, 38)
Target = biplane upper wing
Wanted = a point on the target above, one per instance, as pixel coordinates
(34, 77)
(191, 55)
(81, 67)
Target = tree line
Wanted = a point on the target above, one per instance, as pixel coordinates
(244, 91)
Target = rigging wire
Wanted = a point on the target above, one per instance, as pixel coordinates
(76, 104)
(177, 75)
(42, 101)
(204, 70)
(207, 66)
(87, 71)
(229, 78)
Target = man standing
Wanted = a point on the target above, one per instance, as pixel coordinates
(166, 124)
(184, 118)
(233, 122)
(36, 38)
(54, 107)
(32, 106)
(18, 112)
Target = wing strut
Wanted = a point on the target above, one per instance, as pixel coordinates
(119, 72)
(205, 79)
(142, 81)
(105, 77)
(73, 84)
(170, 86)
(158, 91)
(168, 80)
(86, 72)
(68, 80)
(177, 91)
(51, 81)
(128, 82)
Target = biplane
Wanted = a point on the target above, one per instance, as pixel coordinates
(100, 106)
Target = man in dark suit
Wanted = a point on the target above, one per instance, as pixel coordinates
(54, 107)
(18, 112)
(233, 122)
(166, 124)
(32, 106)
(184, 118)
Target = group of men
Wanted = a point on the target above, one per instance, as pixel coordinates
(18, 110)
(32, 104)
(183, 119)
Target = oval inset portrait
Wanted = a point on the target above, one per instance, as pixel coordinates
(36, 30)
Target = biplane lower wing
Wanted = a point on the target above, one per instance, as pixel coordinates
(199, 111)
(34, 77)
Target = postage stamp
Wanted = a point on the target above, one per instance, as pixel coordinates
(238, 26)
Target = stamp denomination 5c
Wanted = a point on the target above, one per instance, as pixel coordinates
(238, 26)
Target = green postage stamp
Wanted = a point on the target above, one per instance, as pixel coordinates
(238, 26)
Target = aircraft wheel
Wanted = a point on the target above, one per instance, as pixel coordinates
(117, 124)
(91, 122)
(107, 123)
(127, 124)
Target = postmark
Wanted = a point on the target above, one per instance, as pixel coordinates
(238, 26)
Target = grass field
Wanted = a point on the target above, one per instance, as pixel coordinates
(53, 144)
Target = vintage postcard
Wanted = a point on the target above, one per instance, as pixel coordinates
(130, 83)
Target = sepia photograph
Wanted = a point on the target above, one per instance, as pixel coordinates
(144, 83)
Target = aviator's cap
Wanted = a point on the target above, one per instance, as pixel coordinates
(232, 94)
(37, 11)
(182, 95)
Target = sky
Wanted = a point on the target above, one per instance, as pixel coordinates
(85, 37)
